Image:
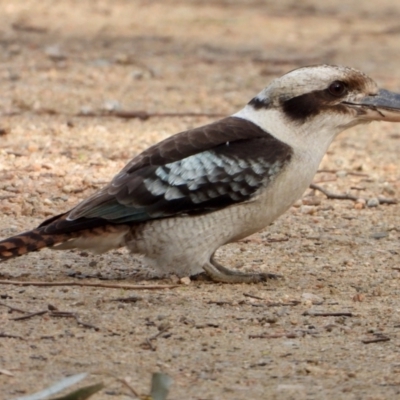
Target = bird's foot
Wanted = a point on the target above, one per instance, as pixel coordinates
(219, 273)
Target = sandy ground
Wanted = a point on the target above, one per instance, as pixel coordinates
(216, 341)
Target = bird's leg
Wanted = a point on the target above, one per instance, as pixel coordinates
(219, 273)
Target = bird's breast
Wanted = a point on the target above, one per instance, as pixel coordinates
(275, 199)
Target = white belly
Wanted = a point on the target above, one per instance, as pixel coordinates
(182, 245)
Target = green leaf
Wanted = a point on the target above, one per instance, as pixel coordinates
(160, 384)
(53, 389)
(82, 393)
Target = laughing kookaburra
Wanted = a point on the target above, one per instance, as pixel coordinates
(183, 198)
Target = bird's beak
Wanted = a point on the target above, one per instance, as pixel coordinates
(383, 106)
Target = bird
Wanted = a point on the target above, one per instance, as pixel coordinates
(180, 200)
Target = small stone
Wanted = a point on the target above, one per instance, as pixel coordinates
(139, 74)
(341, 174)
(68, 188)
(330, 327)
(123, 59)
(111, 105)
(360, 204)
(389, 189)
(309, 210)
(359, 297)
(377, 292)
(101, 62)
(270, 318)
(54, 52)
(85, 110)
(379, 235)
(373, 202)
(313, 298)
(311, 201)
(185, 280)
(164, 326)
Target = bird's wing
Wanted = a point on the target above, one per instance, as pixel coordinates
(196, 171)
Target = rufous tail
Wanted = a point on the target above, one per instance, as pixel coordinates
(33, 240)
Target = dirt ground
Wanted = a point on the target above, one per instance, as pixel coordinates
(217, 341)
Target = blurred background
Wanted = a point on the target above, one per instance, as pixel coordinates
(67, 68)
(79, 55)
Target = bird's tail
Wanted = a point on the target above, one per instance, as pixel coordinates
(33, 240)
(57, 232)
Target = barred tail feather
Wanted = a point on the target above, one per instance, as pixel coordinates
(98, 240)
(29, 241)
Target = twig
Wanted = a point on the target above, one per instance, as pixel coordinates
(358, 174)
(7, 196)
(336, 196)
(54, 312)
(83, 284)
(289, 335)
(154, 337)
(327, 314)
(13, 308)
(331, 195)
(326, 180)
(25, 27)
(379, 338)
(252, 296)
(125, 383)
(150, 345)
(334, 171)
(7, 335)
(272, 240)
(30, 315)
(67, 314)
(268, 336)
(290, 304)
(220, 302)
(131, 299)
(384, 200)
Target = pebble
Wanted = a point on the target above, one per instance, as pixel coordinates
(379, 235)
(270, 318)
(312, 297)
(359, 297)
(311, 201)
(389, 189)
(101, 62)
(85, 110)
(123, 59)
(111, 105)
(309, 210)
(185, 280)
(341, 174)
(373, 202)
(360, 204)
(54, 52)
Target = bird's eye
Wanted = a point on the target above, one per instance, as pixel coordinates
(337, 88)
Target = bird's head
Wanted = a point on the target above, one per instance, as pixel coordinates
(314, 104)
